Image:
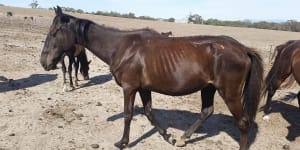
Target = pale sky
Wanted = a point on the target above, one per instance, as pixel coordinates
(255, 10)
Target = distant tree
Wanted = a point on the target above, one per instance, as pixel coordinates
(195, 18)
(9, 14)
(131, 15)
(34, 4)
(293, 25)
(171, 20)
(80, 11)
(211, 21)
(146, 18)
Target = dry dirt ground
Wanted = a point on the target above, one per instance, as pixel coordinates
(36, 114)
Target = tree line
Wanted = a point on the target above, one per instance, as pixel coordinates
(115, 14)
(289, 25)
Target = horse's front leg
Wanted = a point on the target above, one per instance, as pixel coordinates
(76, 65)
(129, 96)
(71, 61)
(147, 103)
(64, 70)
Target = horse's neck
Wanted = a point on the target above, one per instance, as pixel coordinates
(103, 42)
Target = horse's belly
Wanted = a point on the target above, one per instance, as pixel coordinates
(176, 86)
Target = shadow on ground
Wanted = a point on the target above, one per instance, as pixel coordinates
(182, 120)
(32, 80)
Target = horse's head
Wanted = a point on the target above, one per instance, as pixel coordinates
(60, 39)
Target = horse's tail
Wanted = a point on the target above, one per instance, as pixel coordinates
(253, 85)
(274, 69)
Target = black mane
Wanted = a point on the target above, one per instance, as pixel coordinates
(81, 27)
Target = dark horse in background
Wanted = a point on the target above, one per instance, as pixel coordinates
(77, 56)
(287, 63)
(143, 62)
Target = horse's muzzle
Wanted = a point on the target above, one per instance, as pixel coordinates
(49, 67)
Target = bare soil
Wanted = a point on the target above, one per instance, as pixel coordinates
(36, 114)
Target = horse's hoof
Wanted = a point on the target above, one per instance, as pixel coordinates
(266, 117)
(65, 89)
(72, 88)
(180, 143)
(121, 145)
(168, 139)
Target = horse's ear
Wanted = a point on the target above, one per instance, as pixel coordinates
(58, 11)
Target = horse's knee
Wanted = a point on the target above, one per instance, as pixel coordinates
(128, 117)
(244, 124)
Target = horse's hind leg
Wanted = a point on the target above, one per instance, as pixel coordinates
(267, 107)
(235, 106)
(147, 103)
(207, 98)
(274, 85)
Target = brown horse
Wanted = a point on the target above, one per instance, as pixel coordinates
(287, 62)
(77, 56)
(144, 62)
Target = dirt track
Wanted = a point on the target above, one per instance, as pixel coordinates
(36, 114)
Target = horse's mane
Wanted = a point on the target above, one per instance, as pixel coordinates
(81, 27)
(87, 21)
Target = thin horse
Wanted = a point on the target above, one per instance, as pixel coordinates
(172, 66)
(77, 56)
(286, 63)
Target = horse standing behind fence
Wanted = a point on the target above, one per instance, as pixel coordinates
(286, 63)
(172, 66)
(77, 56)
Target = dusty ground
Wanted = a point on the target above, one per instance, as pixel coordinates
(36, 114)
